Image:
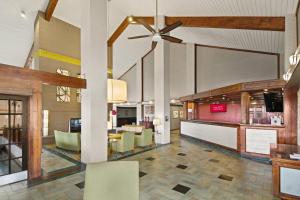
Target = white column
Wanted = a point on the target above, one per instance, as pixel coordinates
(190, 68)
(139, 90)
(290, 39)
(161, 87)
(94, 68)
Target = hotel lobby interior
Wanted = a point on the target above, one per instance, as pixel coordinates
(149, 100)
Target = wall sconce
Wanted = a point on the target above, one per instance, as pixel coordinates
(294, 59)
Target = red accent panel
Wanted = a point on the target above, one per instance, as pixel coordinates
(216, 108)
(233, 113)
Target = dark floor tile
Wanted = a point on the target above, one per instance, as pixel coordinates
(150, 158)
(181, 166)
(181, 154)
(208, 150)
(80, 185)
(225, 177)
(141, 174)
(214, 160)
(181, 188)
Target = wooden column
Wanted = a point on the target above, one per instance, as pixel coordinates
(245, 104)
(34, 132)
(290, 115)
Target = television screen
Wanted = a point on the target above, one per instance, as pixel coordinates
(274, 102)
(75, 125)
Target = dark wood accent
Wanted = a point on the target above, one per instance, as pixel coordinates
(195, 67)
(280, 158)
(29, 57)
(297, 26)
(261, 85)
(245, 104)
(121, 28)
(290, 114)
(34, 132)
(44, 77)
(127, 71)
(229, 22)
(50, 9)
(235, 49)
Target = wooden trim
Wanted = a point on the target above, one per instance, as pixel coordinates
(127, 71)
(45, 77)
(232, 22)
(29, 57)
(142, 63)
(50, 9)
(235, 49)
(237, 88)
(245, 104)
(121, 28)
(196, 75)
(291, 115)
(34, 132)
(278, 66)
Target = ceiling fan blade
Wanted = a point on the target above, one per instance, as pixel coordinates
(147, 26)
(137, 37)
(170, 27)
(154, 44)
(171, 39)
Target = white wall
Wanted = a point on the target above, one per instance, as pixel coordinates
(178, 70)
(126, 52)
(131, 78)
(220, 67)
(148, 76)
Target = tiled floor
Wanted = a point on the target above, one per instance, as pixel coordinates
(207, 175)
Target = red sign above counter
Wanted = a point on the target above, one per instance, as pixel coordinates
(216, 108)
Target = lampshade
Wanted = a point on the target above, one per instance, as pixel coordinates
(156, 121)
(116, 91)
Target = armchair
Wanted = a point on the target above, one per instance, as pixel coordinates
(145, 139)
(126, 143)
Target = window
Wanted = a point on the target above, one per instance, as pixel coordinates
(63, 94)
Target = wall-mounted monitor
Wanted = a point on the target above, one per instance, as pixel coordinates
(75, 125)
(274, 102)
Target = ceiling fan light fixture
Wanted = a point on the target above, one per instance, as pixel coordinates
(156, 37)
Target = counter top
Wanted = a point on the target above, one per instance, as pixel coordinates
(283, 151)
(231, 124)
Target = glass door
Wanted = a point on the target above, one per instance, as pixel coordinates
(13, 140)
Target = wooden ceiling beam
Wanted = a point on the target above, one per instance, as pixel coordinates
(46, 78)
(50, 9)
(238, 22)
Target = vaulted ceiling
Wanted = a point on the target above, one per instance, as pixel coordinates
(16, 33)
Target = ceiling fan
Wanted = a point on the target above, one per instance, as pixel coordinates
(157, 34)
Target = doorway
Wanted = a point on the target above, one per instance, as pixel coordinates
(13, 139)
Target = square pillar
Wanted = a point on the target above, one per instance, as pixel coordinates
(162, 87)
(94, 69)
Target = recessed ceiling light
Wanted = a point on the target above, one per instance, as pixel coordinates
(23, 14)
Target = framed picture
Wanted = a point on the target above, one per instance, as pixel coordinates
(181, 114)
(175, 114)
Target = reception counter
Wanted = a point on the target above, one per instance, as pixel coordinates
(223, 134)
(249, 140)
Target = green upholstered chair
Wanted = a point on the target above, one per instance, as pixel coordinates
(67, 141)
(145, 139)
(126, 143)
(117, 180)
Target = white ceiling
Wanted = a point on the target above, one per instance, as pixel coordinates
(16, 33)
